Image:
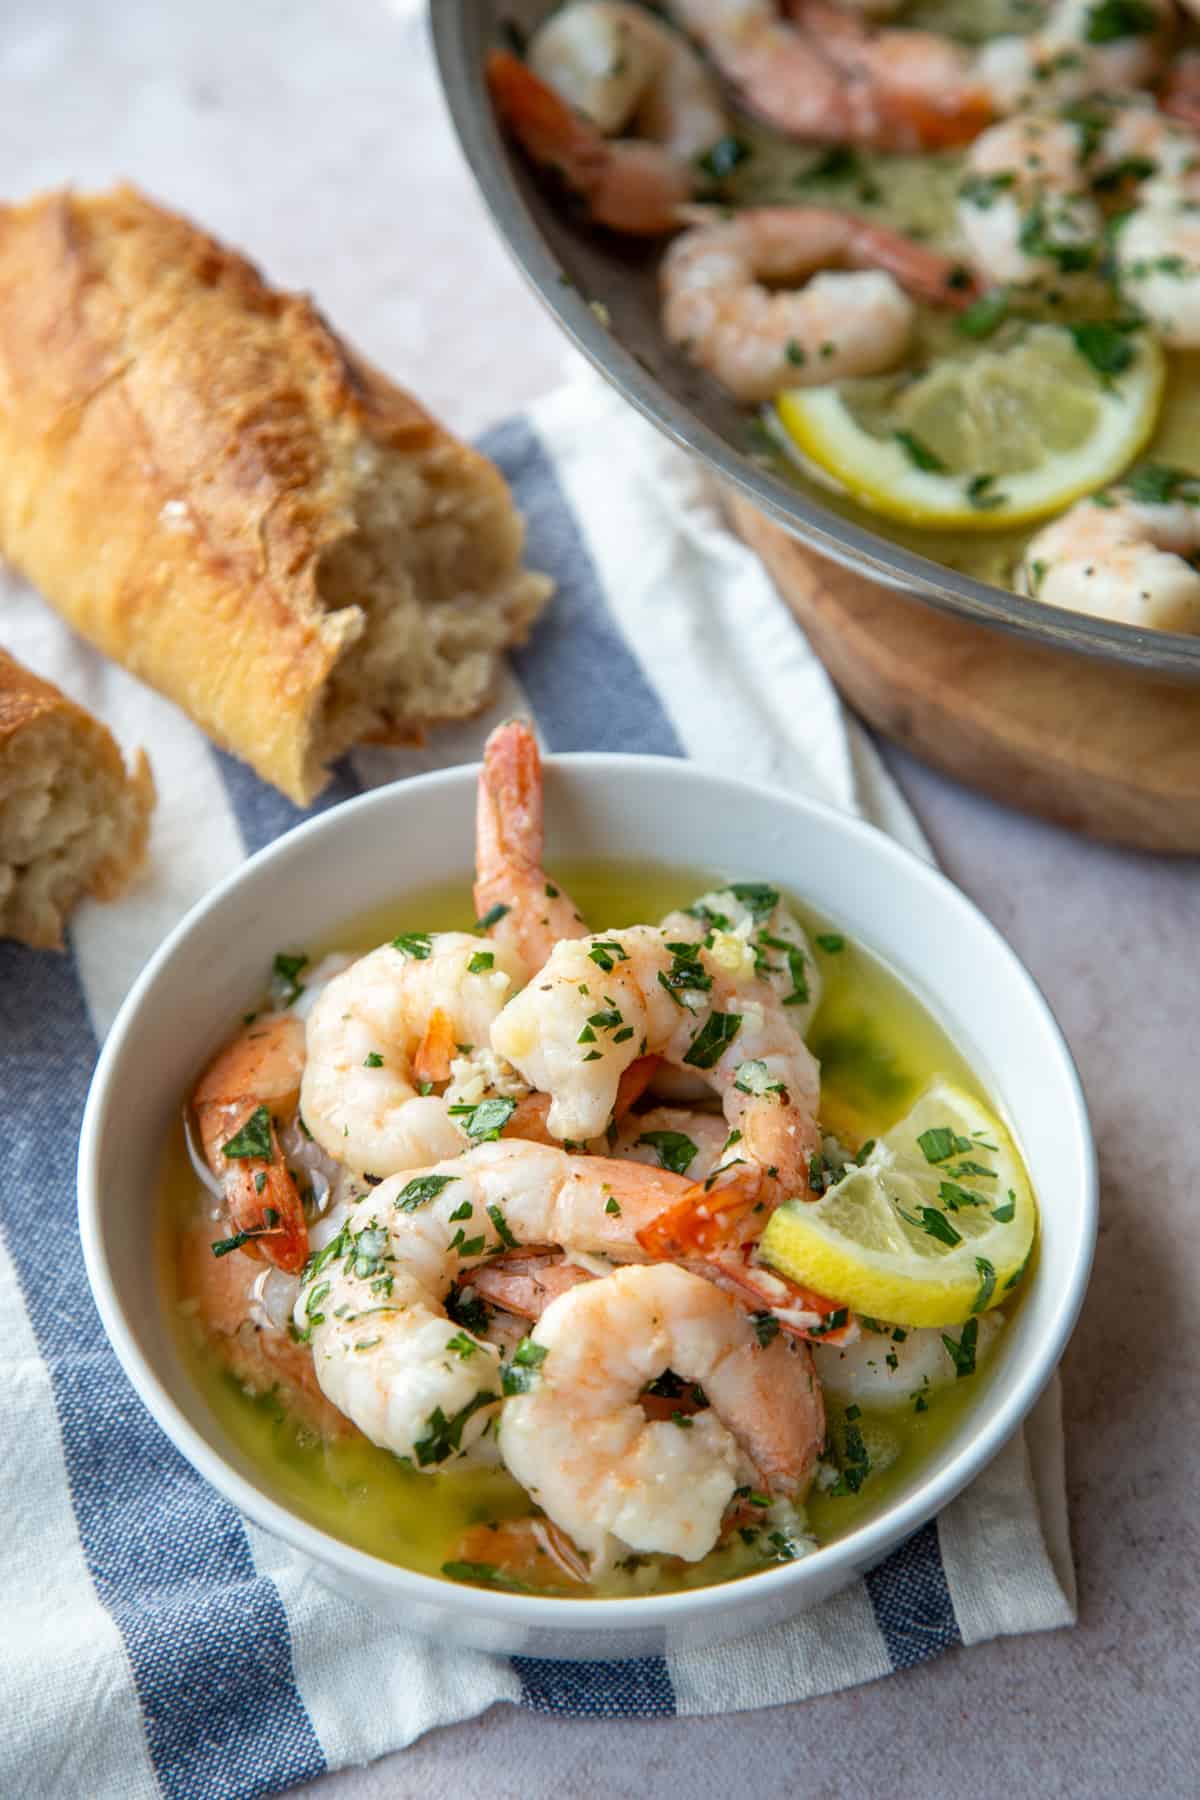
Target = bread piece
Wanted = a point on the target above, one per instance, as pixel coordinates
(214, 489)
(72, 822)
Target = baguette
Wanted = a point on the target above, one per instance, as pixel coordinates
(72, 822)
(220, 494)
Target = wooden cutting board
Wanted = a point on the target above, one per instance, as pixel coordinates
(1104, 750)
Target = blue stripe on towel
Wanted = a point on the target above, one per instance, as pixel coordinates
(638, 1689)
(587, 689)
(207, 1638)
(263, 813)
(911, 1601)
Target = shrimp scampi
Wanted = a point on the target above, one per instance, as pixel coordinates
(616, 1481)
(1132, 553)
(791, 296)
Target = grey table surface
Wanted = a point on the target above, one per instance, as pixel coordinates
(314, 135)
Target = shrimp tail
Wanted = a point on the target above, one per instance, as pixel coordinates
(549, 130)
(436, 1049)
(704, 1219)
(509, 831)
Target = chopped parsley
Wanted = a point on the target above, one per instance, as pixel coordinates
(492, 916)
(1104, 345)
(952, 1196)
(919, 453)
(987, 1284)
(754, 1078)
(444, 1436)
(675, 1149)
(962, 1353)
(985, 315)
(612, 1205)
(687, 973)
(712, 1040)
(605, 953)
(462, 1345)
(501, 1223)
(934, 1223)
(286, 970)
(416, 944)
(854, 1462)
(519, 1375)
(1108, 21)
(766, 1328)
(1157, 483)
(758, 896)
(1003, 1214)
(484, 1123)
(471, 1312)
(420, 1191)
(481, 962)
(832, 1321)
(372, 1060)
(254, 1138)
(832, 942)
(939, 1143)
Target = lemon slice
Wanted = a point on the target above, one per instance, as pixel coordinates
(995, 439)
(936, 1224)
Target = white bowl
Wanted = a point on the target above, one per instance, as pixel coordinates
(644, 810)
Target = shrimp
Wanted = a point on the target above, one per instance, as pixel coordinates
(1024, 208)
(1081, 48)
(889, 1364)
(243, 1309)
(1118, 556)
(388, 1029)
(615, 1481)
(239, 1101)
(522, 909)
(782, 953)
(603, 1001)
(373, 1301)
(829, 78)
(720, 305)
(618, 66)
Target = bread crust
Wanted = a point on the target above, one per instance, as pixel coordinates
(29, 704)
(181, 446)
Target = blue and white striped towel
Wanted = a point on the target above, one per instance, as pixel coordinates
(153, 1640)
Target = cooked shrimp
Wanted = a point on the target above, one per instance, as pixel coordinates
(1024, 209)
(615, 1481)
(782, 953)
(524, 910)
(1081, 48)
(384, 1032)
(1158, 263)
(528, 1552)
(249, 1087)
(719, 284)
(373, 1302)
(829, 78)
(620, 67)
(678, 1138)
(888, 1365)
(1118, 557)
(243, 1310)
(601, 1002)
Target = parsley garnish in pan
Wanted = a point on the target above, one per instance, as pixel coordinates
(416, 944)
(286, 970)
(420, 1191)
(443, 1435)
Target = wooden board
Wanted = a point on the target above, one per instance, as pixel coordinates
(1104, 750)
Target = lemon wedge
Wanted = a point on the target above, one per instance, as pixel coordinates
(936, 1224)
(988, 441)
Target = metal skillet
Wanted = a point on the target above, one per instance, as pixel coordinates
(602, 292)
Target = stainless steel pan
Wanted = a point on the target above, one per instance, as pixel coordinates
(602, 292)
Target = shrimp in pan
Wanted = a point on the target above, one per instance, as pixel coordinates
(787, 296)
(597, 68)
(826, 76)
(1119, 555)
(616, 1481)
